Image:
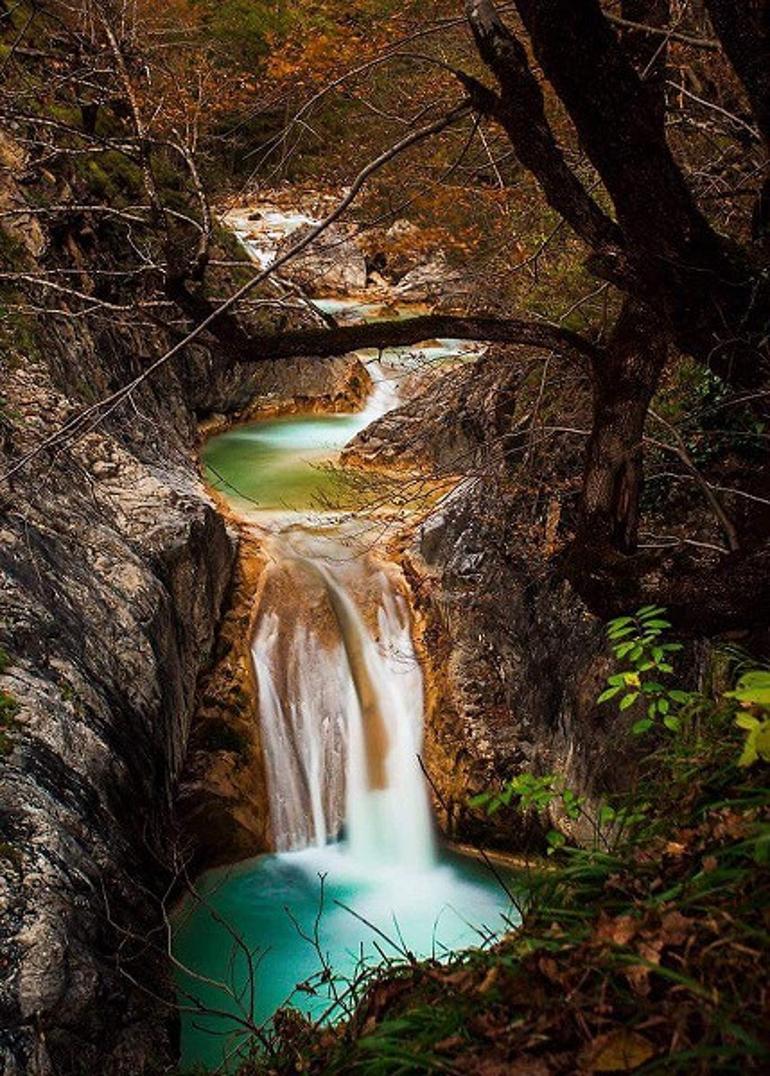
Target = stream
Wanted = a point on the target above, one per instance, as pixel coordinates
(358, 876)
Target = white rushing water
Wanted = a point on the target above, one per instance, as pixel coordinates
(341, 715)
(340, 690)
(341, 706)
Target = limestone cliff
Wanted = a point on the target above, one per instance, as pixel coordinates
(114, 568)
(512, 659)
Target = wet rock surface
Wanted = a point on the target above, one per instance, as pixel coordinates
(513, 661)
(115, 567)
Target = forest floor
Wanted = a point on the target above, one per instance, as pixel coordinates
(646, 953)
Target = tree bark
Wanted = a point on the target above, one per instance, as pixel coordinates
(520, 110)
(383, 334)
(712, 296)
(624, 382)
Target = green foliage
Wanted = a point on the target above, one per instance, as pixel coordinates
(244, 29)
(752, 693)
(530, 793)
(640, 640)
(9, 707)
(10, 854)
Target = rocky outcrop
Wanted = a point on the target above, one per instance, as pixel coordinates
(287, 386)
(115, 566)
(451, 425)
(513, 661)
(222, 800)
(334, 265)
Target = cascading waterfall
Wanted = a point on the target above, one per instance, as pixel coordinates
(341, 709)
(340, 702)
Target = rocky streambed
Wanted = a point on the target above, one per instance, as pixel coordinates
(117, 569)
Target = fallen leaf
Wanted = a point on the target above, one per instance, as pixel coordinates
(639, 979)
(675, 928)
(619, 1051)
(617, 931)
(449, 1044)
(550, 969)
(490, 980)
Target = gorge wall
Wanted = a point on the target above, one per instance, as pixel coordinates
(115, 565)
(513, 660)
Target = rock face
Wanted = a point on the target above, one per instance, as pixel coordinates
(285, 386)
(513, 661)
(450, 425)
(334, 265)
(115, 566)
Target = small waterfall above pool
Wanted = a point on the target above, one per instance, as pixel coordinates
(356, 876)
(340, 695)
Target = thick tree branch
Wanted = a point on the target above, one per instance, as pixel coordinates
(618, 125)
(520, 110)
(384, 334)
(669, 33)
(733, 593)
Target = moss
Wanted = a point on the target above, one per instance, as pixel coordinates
(13, 253)
(112, 177)
(9, 708)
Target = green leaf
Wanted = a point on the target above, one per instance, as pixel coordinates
(555, 841)
(649, 610)
(623, 648)
(619, 622)
(610, 693)
(756, 678)
(672, 723)
(621, 633)
(658, 624)
(652, 686)
(629, 700)
(682, 697)
(642, 726)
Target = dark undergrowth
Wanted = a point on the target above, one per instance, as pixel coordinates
(647, 953)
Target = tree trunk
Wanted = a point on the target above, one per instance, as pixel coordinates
(624, 382)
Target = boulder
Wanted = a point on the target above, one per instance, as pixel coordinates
(334, 263)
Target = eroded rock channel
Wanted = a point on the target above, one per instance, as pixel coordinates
(332, 741)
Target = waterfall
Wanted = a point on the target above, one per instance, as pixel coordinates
(340, 696)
